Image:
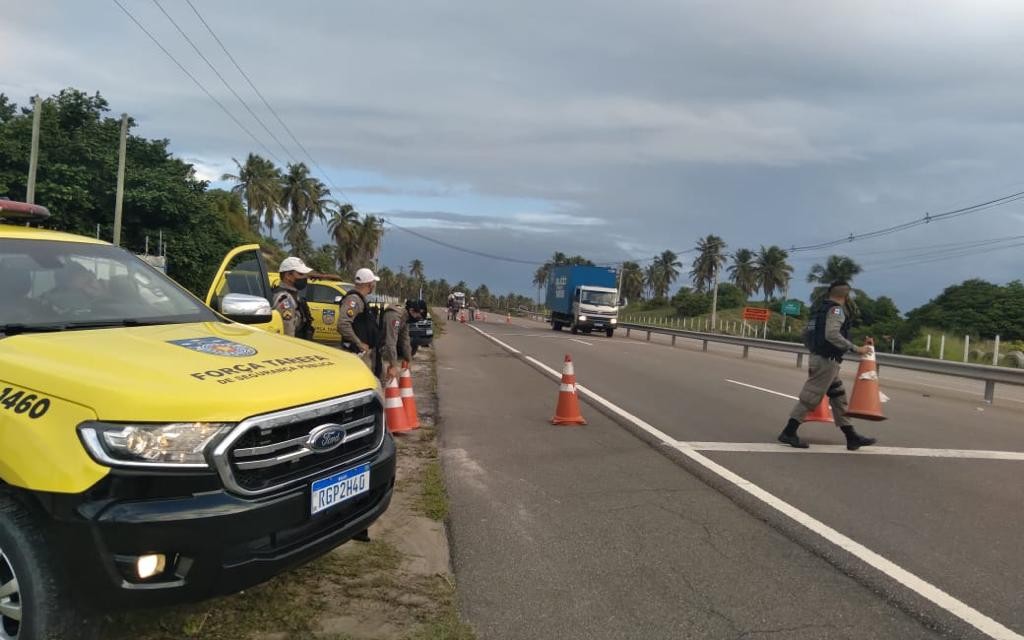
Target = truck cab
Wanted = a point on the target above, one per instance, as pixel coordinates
(595, 309)
(155, 450)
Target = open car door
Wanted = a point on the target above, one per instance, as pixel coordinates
(241, 290)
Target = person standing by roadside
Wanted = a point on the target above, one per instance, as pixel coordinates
(298, 322)
(357, 322)
(827, 335)
(397, 346)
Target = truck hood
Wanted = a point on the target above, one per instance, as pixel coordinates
(185, 372)
(599, 309)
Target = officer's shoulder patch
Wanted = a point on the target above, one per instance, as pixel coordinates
(350, 312)
(352, 303)
(397, 323)
(837, 311)
(287, 315)
(284, 302)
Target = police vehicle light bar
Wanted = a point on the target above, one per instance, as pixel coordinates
(22, 210)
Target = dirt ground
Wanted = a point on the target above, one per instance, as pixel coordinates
(399, 586)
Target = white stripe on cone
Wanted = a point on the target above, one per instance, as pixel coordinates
(569, 388)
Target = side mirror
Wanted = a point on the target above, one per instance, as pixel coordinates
(246, 309)
(623, 302)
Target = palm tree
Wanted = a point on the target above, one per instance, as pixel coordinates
(301, 197)
(540, 278)
(652, 279)
(368, 235)
(342, 227)
(711, 257)
(835, 268)
(632, 281)
(772, 270)
(743, 272)
(259, 185)
(416, 270)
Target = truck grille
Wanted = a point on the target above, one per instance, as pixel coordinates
(273, 452)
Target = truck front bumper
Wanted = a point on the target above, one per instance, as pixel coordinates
(215, 543)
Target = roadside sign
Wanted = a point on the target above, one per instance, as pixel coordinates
(791, 307)
(756, 314)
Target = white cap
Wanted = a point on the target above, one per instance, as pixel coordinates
(293, 264)
(364, 276)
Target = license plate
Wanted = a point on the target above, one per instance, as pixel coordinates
(430, 332)
(332, 491)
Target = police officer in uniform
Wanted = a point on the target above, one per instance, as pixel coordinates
(298, 322)
(827, 335)
(397, 345)
(356, 323)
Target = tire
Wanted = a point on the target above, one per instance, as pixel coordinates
(556, 326)
(43, 599)
(574, 329)
(609, 332)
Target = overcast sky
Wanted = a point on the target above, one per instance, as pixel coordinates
(611, 129)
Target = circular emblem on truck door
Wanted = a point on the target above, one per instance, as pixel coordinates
(326, 437)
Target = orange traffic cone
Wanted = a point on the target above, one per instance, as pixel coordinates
(394, 412)
(568, 410)
(866, 398)
(462, 317)
(408, 399)
(508, 319)
(823, 413)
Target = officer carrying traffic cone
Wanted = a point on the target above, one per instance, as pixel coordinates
(827, 335)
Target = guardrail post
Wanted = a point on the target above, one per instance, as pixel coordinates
(967, 347)
(746, 351)
(648, 336)
(705, 345)
(800, 361)
(673, 341)
(990, 391)
(627, 332)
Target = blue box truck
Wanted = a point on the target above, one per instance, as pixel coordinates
(583, 298)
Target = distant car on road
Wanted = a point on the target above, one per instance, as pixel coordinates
(421, 333)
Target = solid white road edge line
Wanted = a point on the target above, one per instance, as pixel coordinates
(925, 589)
(582, 342)
(766, 447)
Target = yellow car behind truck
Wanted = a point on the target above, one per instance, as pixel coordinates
(155, 451)
(323, 297)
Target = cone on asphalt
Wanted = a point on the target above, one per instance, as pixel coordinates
(394, 411)
(408, 399)
(508, 319)
(568, 410)
(866, 398)
(462, 317)
(822, 413)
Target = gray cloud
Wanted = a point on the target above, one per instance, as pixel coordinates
(781, 123)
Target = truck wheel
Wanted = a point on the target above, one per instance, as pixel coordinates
(575, 330)
(34, 599)
(609, 332)
(556, 326)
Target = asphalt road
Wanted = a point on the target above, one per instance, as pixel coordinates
(591, 532)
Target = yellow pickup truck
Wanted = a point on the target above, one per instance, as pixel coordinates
(154, 450)
(323, 297)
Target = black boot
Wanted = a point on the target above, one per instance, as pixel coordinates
(855, 441)
(788, 435)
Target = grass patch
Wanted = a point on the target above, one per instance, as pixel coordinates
(434, 496)
(447, 626)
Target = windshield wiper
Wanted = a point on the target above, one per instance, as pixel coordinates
(15, 328)
(100, 324)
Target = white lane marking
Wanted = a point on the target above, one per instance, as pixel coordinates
(965, 612)
(582, 342)
(750, 386)
(766, 447)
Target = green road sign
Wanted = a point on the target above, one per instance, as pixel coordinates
(791, 307)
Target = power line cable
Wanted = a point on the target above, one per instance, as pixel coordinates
(223, 80)
(193, 78)
(267, 104)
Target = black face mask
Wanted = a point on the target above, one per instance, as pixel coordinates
(299, 284)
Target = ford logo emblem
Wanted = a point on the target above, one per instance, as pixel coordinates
(326, 437)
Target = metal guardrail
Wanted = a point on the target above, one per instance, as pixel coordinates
(988, 374)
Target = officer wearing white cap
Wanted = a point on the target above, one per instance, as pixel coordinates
(357, 323)
(298, 322)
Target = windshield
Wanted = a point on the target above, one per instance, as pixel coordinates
(66, 285)
(598, 298)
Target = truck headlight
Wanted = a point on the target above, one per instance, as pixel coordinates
(583, 318)
(176, 444)
(614, 320)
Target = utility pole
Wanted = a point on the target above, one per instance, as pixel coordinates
(714, 301)
(119, 200)
(33, 160)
